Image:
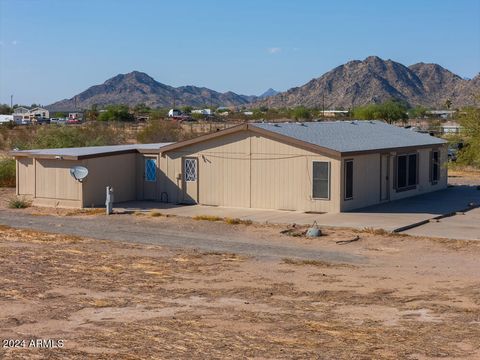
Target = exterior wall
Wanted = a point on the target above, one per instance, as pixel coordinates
(118, 171)
(424, 184)
(366, 178)
(366, 181)
(247, 170)
(25, 177)
(54, 186)
(49, 183)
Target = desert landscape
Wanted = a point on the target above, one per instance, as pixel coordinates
(400, 296)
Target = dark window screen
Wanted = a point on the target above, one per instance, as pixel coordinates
(349, 179)
(402, 171)
(412, 170)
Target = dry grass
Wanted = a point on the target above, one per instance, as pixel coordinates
(236, 221)
(319, 263)
(79, 212)
(208, 218)
(110, 299)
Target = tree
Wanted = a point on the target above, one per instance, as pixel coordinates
(470, 153)
(301, 113)
(116, 113)
(391, 110)
(5, 109)
(417, 112)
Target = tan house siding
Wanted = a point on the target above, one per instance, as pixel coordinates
(424, 184)
(366, 181)
(245, 169)
(25, 177)
(54, 182)
(366, 178)
(118, 171)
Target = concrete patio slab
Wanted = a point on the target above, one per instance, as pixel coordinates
(388, 216)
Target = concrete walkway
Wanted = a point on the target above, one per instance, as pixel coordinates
(388, 216)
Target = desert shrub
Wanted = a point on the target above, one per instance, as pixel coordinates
(237, 221)
(7, 172)
(157, 131)
(72, 136)
(18, 203)
(470, 154)
(208, 218)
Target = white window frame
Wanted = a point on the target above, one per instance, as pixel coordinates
(195, 160)
(329, 166)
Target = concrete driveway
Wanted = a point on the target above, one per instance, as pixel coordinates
(462, 226)
(388, 216)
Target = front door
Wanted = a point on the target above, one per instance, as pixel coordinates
(190, 180)
(150, 176)
(384, 177)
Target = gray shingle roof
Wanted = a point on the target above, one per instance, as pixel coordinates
(349, 136)
(89, 150)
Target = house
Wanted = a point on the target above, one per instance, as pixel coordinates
(334, 113)
(317, 167)
(39, 113)
(207, 112)
(21, 115)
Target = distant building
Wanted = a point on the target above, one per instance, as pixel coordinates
(6, 119)
(203, 111)
(444, 114)
(174, 113)
(334, 113)
(23, 115)
(248, 113)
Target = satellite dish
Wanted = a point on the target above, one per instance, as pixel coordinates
(79, 173)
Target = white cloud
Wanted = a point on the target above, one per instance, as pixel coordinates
(14, 42)
(274, 50)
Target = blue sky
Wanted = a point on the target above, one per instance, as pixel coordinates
(54, 49)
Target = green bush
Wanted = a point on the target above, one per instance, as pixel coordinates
(18, 203)
(7, 173)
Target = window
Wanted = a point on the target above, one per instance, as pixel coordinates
(406, 171)
(321, 180)
(190, 169)
(150, 170)
(435, 166)
(348, 179)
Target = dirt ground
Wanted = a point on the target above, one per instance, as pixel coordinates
(415, 298)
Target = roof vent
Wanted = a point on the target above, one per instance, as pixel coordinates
(354, 122)
(276, 125)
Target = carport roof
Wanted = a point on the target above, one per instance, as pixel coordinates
(89, 151)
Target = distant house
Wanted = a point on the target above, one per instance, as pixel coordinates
(23, 115)
(75, 115)
(248, 113)
(39, 113)
(334, 113)
(444, 114)
(203, 111)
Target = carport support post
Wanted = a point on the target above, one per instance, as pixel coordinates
(109, 200)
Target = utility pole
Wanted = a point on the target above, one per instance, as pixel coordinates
(323, 104)
(11, 102)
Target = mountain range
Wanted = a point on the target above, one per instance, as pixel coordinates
(355, 83)
(375, 80)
